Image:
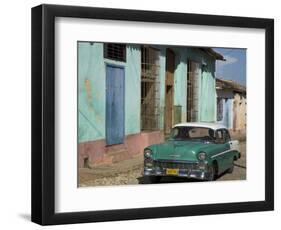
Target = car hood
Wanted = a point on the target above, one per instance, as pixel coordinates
(179, 150)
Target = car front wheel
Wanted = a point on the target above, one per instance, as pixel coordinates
(212, 172)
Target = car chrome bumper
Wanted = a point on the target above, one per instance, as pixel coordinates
(188, 172)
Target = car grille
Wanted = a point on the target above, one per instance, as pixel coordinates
(175, 165)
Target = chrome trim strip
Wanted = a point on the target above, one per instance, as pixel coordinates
(218, 154)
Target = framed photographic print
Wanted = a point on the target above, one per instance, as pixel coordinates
(143, 114)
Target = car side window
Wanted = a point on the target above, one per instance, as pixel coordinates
(219, 136)
(198, 132)
(222, 136)
(227, 136)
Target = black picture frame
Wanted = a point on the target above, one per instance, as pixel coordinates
(43, 114)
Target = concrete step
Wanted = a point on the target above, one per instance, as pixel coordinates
(117, 153)
(113, 152)
(121, 156)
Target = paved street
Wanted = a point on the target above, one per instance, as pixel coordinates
(129, 172)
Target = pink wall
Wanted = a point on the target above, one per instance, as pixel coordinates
(98, 153)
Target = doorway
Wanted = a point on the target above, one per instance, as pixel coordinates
(169, 90)
(115, 97)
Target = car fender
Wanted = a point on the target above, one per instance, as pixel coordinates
(234, 145)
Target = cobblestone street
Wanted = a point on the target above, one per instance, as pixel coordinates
(129, 172)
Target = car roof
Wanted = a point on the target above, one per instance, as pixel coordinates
(209, 125)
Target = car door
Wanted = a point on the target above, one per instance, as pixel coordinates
(223, 148)
(232, 147)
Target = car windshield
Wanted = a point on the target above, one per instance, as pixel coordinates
(185, 133)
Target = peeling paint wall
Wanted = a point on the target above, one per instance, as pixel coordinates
(206, 83)
(92, 96)
(227, 119)
(207, 99)
(180, 81)
(92, 99)
(234, 109)
(91, 106)
(132, 90)
(208, 95)
(91, 90)
(240, 113)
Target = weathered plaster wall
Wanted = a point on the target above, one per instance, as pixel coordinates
(240, 105)
(234, 109)
(206, 82)
(180, 81)
(227, 118)
(92, 76)
(208, 90)
(132, 90)
(92, 98)
(91, 102)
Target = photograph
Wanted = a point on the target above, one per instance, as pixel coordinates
(151, 113)
(174, 108)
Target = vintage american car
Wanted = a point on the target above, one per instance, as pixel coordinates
(194, 150)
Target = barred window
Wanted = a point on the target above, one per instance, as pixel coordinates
(115, 51)
(150, 88)
(193, 74)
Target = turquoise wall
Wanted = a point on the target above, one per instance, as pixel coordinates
(227, 118)
(91, 102)
(133, 90)
(91, 90)
(206, 83)
(92, 78)
(208, 93)
(180, 80)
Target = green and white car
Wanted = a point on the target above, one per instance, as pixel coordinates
(193, 150)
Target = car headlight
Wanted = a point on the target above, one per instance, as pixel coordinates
(201, 156)
(147, 153)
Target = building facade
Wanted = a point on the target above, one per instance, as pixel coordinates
(231, 106)
(130, 96)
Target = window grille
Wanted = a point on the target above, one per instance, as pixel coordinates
(193, 74)
(150, 98)
(115, 51)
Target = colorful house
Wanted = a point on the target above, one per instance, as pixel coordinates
(130, 96)
(231, 105)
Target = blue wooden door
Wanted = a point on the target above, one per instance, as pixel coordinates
(115, 79)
